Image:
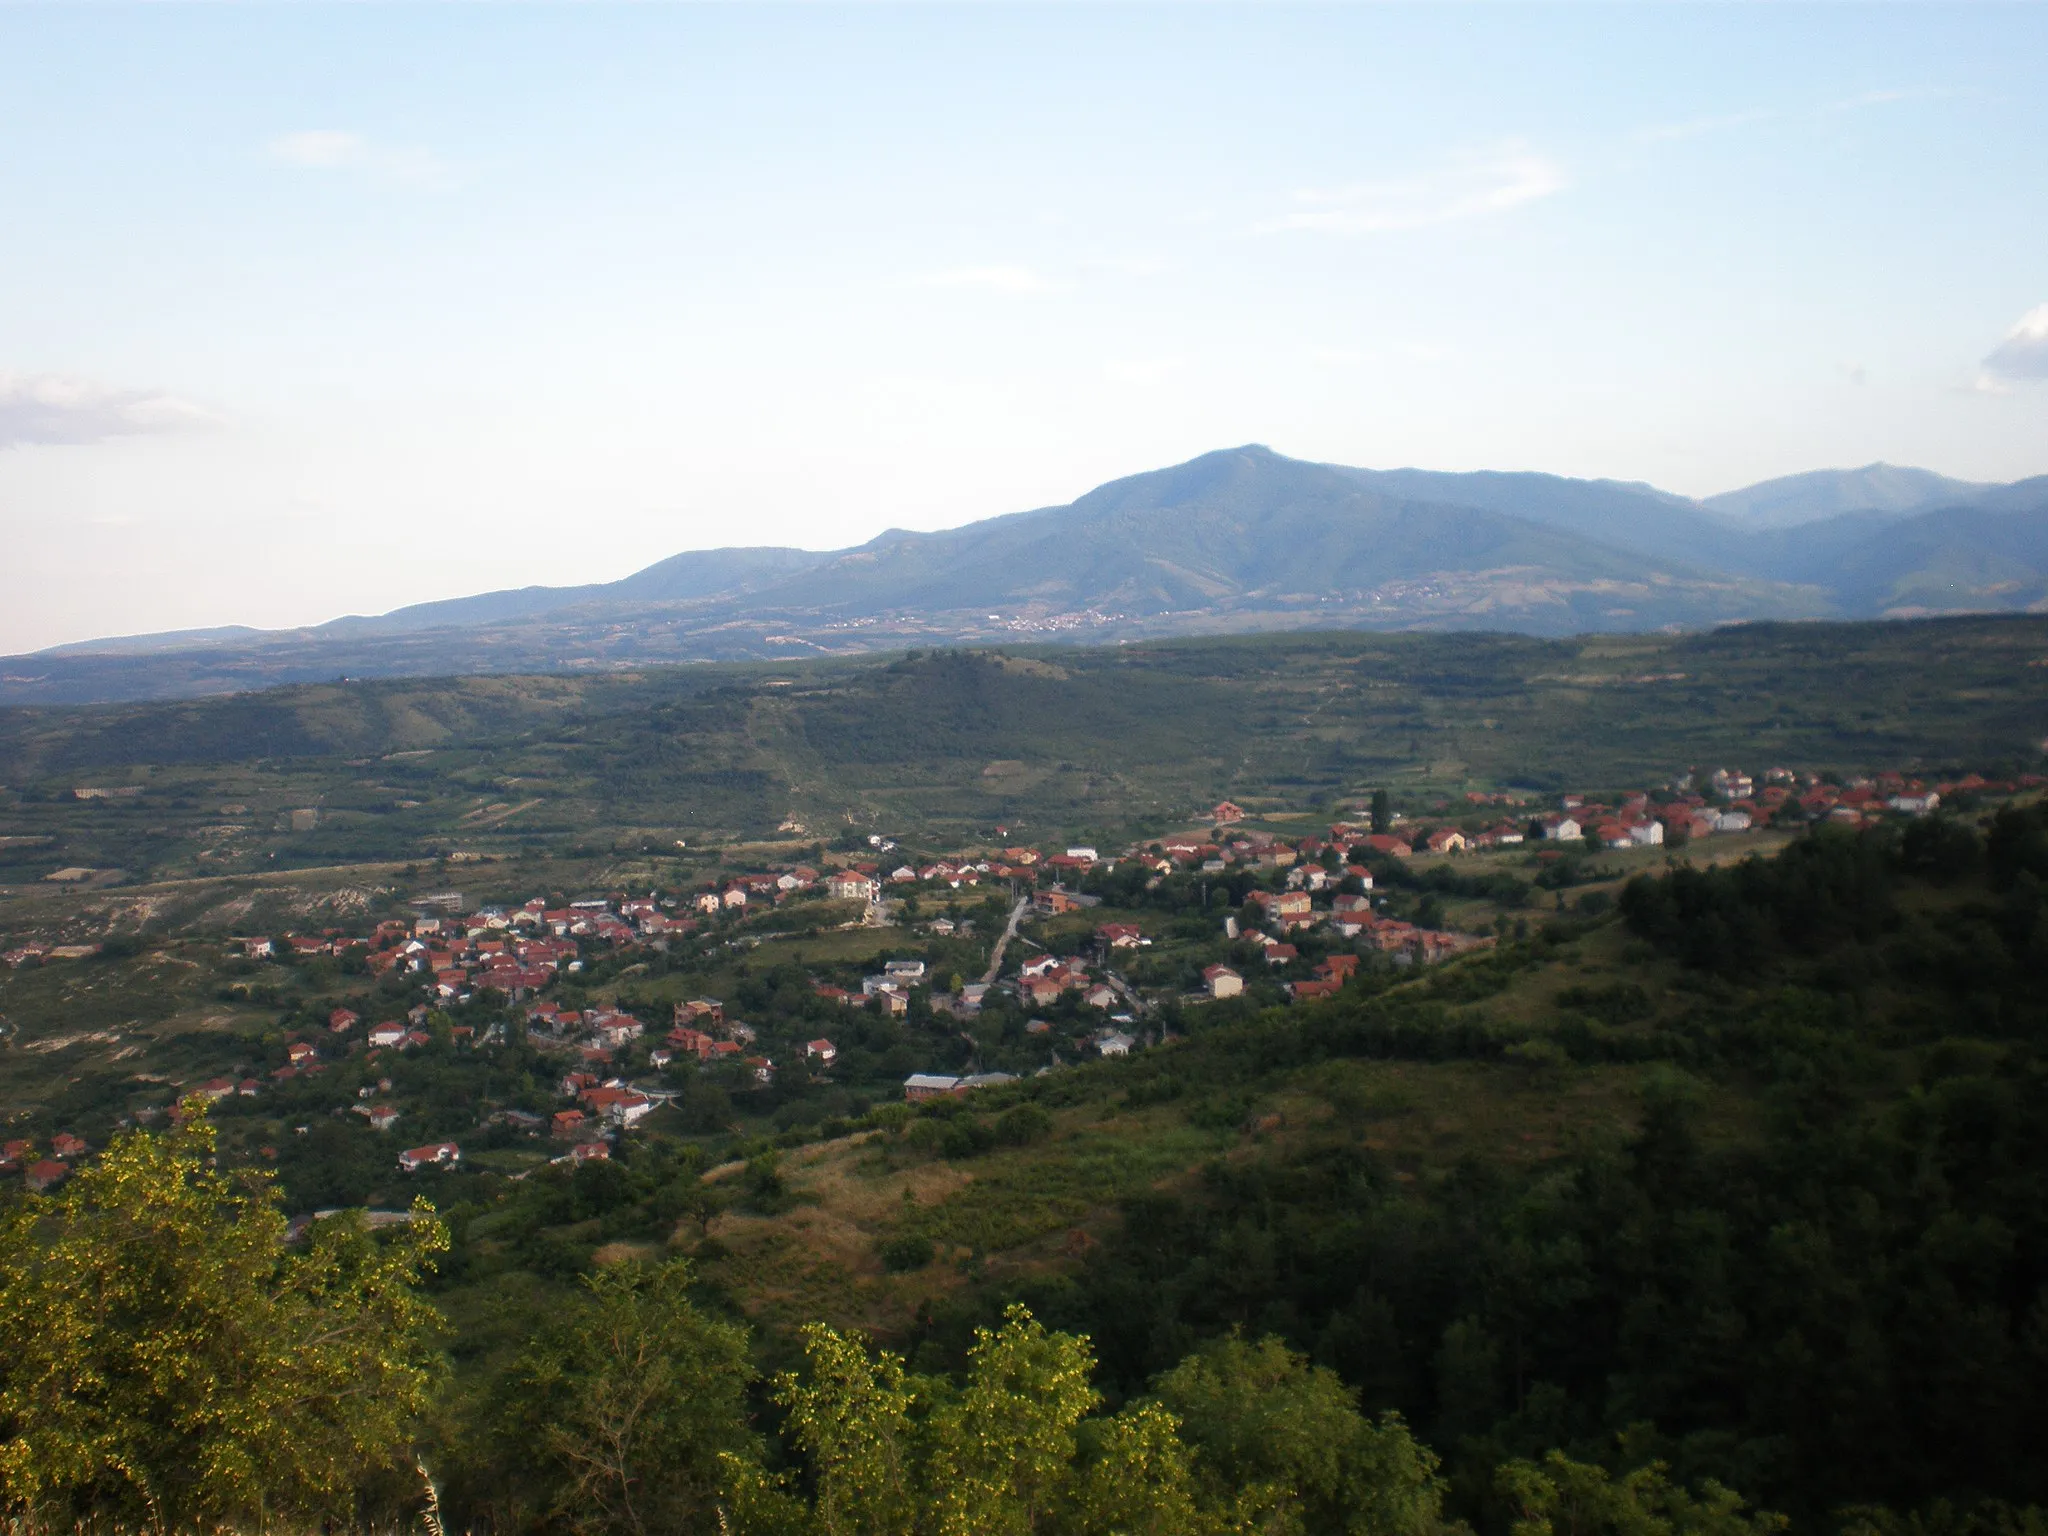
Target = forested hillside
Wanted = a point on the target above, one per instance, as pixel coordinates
(1817, 1266)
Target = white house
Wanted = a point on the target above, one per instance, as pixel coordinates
(1222, 981)
(1731, 783)
(440, 1153)
(849, 886)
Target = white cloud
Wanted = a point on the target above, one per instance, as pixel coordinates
(997, 279)
(2022, 358)
(51, 408)
(1465, 186)
(332, 149)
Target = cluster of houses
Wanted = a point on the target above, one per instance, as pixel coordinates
(1322, 882)
(702, 1030)
(889, 988)
(1732, 801)
(1330, 974)
(1736, 801)
(863, 879)
(1351, 916)
(42, 1173)
(1860, 800)
(515, 952)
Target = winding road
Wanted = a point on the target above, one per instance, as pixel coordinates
(995, 962)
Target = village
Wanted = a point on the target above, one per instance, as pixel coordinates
(1090, 954)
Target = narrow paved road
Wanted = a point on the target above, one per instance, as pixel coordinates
(995, 963)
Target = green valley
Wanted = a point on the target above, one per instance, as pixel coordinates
(814, 1020)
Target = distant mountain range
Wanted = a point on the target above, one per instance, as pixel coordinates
(1238, 540)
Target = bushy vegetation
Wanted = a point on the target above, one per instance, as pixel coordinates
(171, 1366)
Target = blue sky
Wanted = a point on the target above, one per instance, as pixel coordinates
(307, 311)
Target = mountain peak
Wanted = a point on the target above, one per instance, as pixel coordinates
(1893, 489)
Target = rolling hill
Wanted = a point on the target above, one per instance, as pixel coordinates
(1073, 741)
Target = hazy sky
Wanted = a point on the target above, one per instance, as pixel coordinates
(309, 311)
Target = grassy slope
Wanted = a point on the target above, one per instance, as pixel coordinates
(1018, 1214)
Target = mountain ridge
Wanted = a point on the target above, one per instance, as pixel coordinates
(1236, 540)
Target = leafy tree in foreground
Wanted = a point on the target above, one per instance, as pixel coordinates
(625, 1406)
(166, 1361)
(1285, 1441)
(1003, 1446)
(1243, 1438)
(1136, 1478)
(853, 1418)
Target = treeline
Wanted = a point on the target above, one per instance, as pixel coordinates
(1834, 907)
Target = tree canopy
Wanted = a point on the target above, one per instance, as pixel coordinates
(167, 1359)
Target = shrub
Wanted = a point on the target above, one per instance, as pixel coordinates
(906, 1251)
(1023, 1125)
